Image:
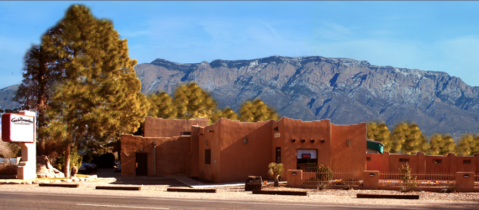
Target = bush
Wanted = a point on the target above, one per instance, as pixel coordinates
(409, 182)
(8, 169)
(324, 175)
(75, 159)
(105, 161)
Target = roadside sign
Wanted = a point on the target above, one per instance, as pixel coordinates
(18, 128)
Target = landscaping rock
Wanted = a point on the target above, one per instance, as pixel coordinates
(66, 180)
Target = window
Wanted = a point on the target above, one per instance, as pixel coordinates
(466, 162)
(307, 159)
(208, 156)
(404, 160)
(437, 161)
(368, 158)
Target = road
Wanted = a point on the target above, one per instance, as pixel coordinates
(13, 201)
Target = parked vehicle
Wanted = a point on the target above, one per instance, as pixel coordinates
(88, 168)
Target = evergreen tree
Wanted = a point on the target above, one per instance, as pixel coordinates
(414, 140)
(192, 102)
(448, 145)
(226, 113)
(162, 106)
(39, 76)
(257, 110)
(98, 93)
(399, 137)
(379, 131)
(466, 145)
(435, 144)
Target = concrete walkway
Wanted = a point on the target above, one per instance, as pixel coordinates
(196, 184)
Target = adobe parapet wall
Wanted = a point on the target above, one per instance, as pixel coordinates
(159, 127)
(421, 163)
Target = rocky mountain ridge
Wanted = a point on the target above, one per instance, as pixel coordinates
(347, 91)
(344, 90)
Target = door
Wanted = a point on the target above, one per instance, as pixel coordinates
(278, 154)
(141, 164)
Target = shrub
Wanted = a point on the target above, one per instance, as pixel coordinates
(409, 182)
(324, 175)
(8, 169)
(75, 159)
(275, 170)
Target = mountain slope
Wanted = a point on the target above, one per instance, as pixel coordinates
(6, 96)
(344, 90)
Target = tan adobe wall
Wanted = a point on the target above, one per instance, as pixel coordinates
(158, 127)
(210, 171)
(192, 158)
(171, 154)
(296, 129)
(420, 163)
(239, 160)
(348, 158)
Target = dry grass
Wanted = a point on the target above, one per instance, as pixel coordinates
(8, 169)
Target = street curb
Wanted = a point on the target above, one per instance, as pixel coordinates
(117, 188)
(58, 185)
(271, 192)
(416, 197)
(191, 190)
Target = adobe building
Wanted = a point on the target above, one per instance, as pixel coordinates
(230, 150)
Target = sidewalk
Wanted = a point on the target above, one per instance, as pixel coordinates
(196, 184)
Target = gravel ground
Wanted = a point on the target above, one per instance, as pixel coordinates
(329, 196)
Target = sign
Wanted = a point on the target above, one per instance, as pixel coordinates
(18, 128)
(306, 156)
(277, 135)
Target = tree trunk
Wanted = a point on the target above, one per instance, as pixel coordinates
(66, 171)
(276, 181)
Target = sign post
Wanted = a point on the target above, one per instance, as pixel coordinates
(21, 128)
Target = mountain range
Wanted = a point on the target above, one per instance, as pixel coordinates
(344, 90)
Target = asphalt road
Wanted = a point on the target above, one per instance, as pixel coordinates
(15, 201)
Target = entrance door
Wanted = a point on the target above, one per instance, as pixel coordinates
(278, 154)
(141, 164)
(307, 159)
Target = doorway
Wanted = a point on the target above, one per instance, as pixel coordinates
(141, 164)
(307, 159)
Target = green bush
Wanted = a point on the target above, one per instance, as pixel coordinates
(409, 182)
(324, 175)
(75, 159)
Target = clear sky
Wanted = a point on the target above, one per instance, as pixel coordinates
(438, 36)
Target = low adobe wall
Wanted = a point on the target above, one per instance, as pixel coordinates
(171, 154)
(420, 163)
(159, 127)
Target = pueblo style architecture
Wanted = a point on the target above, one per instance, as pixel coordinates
(229, 151)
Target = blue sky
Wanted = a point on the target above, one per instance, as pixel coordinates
(438, 36)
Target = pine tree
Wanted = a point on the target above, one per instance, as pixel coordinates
(39, 76)
(192, 102)
(257, 110)
(379, 131)
(414, 139)
(99, 93)
(435, 144)
(465, 145)
(227, 113)
(448, 145)
(399, 137)
(162, 106)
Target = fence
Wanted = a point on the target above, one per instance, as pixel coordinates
(476, 182)
(431, 180)
(335, 178)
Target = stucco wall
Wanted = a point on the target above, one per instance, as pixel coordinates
(238, 160)
(348, 158)
(171, 154)
(210, 171)
(296, 129)
(421, 163)
(158, 127)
